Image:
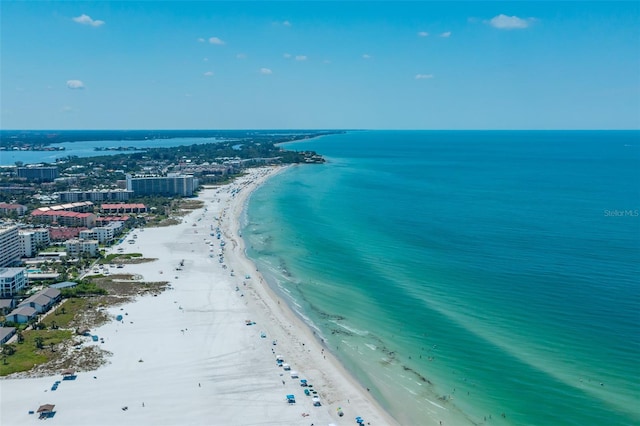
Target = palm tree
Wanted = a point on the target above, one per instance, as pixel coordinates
(39, 342)
(20, 336)
(8, 350)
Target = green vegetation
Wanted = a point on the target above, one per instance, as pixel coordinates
(84, 288)
(114, 256)
(65, 313)
(27, 354)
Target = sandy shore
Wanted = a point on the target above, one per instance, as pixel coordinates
(187, 357)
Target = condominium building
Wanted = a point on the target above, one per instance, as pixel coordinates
(104, 234)
(33, 239)
(98, 195)
(172, 184)
(18, 209)
(39, 173)
(10, 249)
(65, 218)
(123, 208)
(12, 280)
(77, 248)
(80, 207)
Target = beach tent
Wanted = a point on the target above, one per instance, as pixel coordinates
(294, 374)
(46, 408)
(46, 411)
(291, 399)
(69, 375)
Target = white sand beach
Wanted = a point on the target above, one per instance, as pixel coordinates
(187, 357)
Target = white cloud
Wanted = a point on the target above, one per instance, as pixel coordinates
(423, 76)
(423, 34)
(67, 109)
(208, 74)
(446, 34)
(86, 20)
(75, 84)
(241, 56)
(366, 56)
(287, 55)
(205, 59)
(265, 71)
(201, 40)
(301, 58)
(286, 23)
(215, 40)
(326, 61)
(505, 22)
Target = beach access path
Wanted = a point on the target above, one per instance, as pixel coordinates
(187, 355)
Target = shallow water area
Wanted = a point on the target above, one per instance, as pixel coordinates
(471, 274)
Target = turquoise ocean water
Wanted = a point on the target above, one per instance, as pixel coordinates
(482, 272)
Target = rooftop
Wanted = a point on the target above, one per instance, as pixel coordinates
(10, 272)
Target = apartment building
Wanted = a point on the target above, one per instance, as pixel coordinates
(172, 184)
(32, 239)
(12, 280)
(95, 196)
(77, 247)
(10, 248)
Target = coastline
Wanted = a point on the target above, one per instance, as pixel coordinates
(187, 355)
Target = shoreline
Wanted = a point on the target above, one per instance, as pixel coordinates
(187, 355)
(318, 351)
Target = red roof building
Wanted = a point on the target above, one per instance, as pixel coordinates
(64, 234)
(65, 218)
(6, 208)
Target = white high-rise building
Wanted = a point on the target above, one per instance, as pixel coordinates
(27, 244)
(33, 239)
(10, 248)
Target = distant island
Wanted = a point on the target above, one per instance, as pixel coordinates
(118, 148)
(19, 139)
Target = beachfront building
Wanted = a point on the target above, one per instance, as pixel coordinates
(21, 315)
(38, 173)
(104, 234)
(33, 239)
(43, 300)
(95, 196)
(10, 249)
(106, 220)
(8, 209)
(77, 247)
(172, 184)
(12, 280)
(123, 208)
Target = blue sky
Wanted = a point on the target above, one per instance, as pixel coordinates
(308, 64)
